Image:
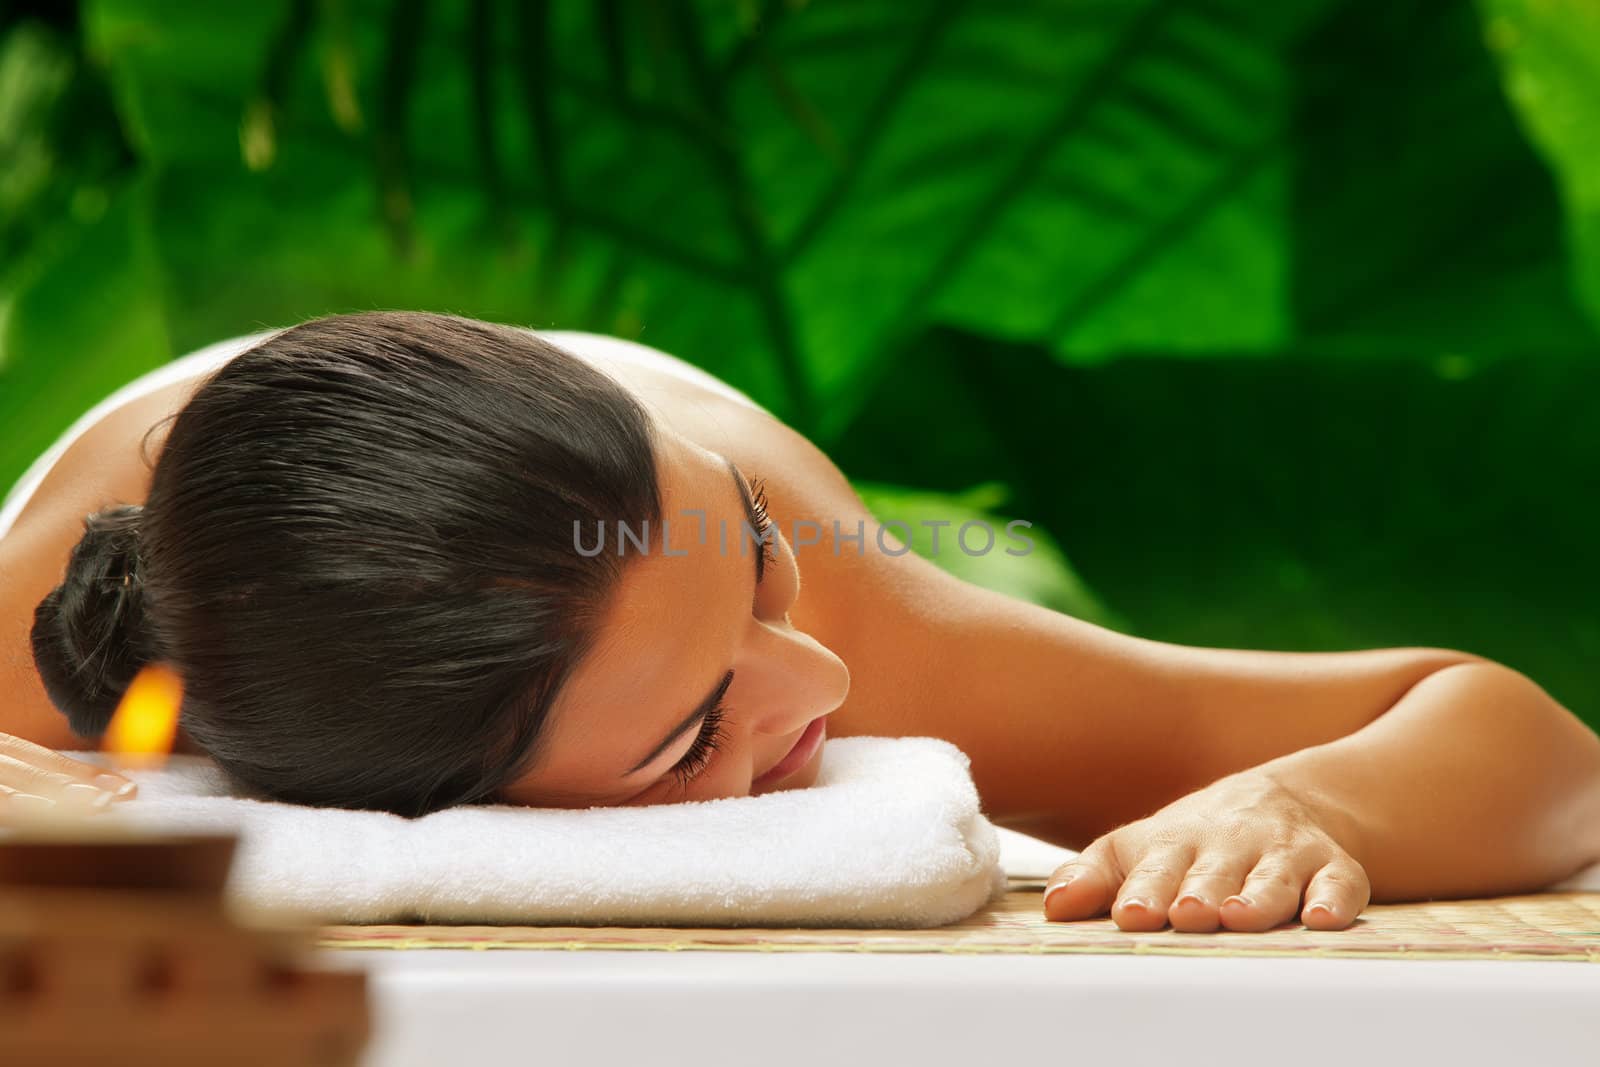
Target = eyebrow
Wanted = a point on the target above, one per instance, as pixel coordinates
(710, 701)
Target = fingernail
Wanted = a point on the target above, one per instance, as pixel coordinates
(1137, 902)
(1322, 906)
(1195, 898)
(29, 802)
(117, 787)
(1236, 899)
(1052, 890)
(86, 795)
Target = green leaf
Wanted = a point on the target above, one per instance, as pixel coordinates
(88, 321)
(788, 196)
(1316, 503)
(1549, 54)
(1424, 224)
(969, 536)
(62, 155)
(79, 283)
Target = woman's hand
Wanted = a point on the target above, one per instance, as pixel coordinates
(35, 779)
(1238, 853)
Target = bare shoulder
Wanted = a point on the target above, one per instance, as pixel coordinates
(113, 459)
(110, 462)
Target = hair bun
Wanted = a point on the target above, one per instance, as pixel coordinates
(89, 637)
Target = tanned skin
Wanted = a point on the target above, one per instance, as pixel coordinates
(1206, 787)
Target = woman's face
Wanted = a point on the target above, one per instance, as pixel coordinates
(692, 649)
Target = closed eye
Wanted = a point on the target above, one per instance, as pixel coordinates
(708, 740)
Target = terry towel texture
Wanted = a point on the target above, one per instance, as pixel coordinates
(890, 835)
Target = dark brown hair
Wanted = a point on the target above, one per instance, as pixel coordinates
(358, 553)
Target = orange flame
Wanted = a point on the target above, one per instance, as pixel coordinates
(145, 724)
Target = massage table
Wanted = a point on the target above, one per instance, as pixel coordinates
(1512, 980)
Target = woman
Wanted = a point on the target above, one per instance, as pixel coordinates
(400, 560)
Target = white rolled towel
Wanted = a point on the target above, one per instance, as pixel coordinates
(891, 835)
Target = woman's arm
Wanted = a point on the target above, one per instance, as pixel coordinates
(1075, 729)
(1476, 783)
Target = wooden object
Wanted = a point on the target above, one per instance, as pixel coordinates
(116, 947)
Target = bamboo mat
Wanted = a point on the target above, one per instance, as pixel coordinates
(1542, 926)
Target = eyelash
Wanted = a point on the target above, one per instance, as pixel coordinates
(706, 742)
(758, 498)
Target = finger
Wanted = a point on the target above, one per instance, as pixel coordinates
(1271, 892)
(17, 806)
(1337, 893)
(54, 762)
(1214, 877)
(1083, 888)
(69, 792)
(1148, 892)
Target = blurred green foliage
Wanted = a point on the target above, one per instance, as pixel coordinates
(1550, 54)
(1278, 320)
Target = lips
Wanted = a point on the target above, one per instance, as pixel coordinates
(798, 756)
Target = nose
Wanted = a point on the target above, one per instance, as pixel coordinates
(792, 677)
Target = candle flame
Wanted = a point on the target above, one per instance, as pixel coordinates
(145, 724)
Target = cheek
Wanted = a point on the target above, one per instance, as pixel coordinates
(727, 776)
(668, 791)
(732, 778)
